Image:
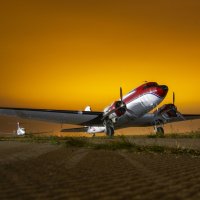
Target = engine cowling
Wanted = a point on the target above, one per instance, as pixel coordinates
(167, 111)
(116, 110)
(121, 111)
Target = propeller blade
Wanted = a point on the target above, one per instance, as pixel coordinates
(173, 98)
(121, 94)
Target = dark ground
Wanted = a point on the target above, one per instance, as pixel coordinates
(44, 171)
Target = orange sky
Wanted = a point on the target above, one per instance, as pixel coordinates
(69, 54)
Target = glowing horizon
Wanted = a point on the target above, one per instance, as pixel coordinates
(70, 54)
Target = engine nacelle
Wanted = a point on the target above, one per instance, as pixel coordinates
(96, 129)
(167, 111)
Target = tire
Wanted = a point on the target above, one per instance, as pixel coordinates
(109, 128)
(160, 131)
(109, 131)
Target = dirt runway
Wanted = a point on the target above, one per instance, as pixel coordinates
(44, 171)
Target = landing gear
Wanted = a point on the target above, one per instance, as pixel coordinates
(160, 131)
(109, 128)
(109, 131)
(158, 128)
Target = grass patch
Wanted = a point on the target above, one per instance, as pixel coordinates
(33, 139)
(156, 136)
(77, 142)
(193, 134)
(184, 151)
(115, 143)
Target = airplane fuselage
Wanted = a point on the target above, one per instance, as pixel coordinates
(140, 101)
(143, 99)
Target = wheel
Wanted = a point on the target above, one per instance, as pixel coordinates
(109, 128)
(109, 131)
(160, 131)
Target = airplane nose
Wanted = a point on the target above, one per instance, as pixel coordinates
(162, 90)
(164, 87)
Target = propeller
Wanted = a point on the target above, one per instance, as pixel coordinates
(121, 98)
(123, 103)
(120, 104)
(121, 94)
(173, 97)
(177, 112)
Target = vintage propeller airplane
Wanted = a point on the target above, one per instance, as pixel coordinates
(131, 110)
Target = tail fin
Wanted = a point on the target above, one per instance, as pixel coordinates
(88, 108)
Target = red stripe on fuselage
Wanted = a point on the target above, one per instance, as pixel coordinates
(141, 90)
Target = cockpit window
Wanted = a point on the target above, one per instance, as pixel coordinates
(148, 85)
(132, 91)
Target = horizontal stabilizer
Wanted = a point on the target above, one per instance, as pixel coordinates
(191, 116)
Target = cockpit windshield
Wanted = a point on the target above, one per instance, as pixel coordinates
(151, 84)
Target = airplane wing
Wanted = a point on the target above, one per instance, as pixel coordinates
(183, 117)
(90, 118)
(191, 116)
(85, 118)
